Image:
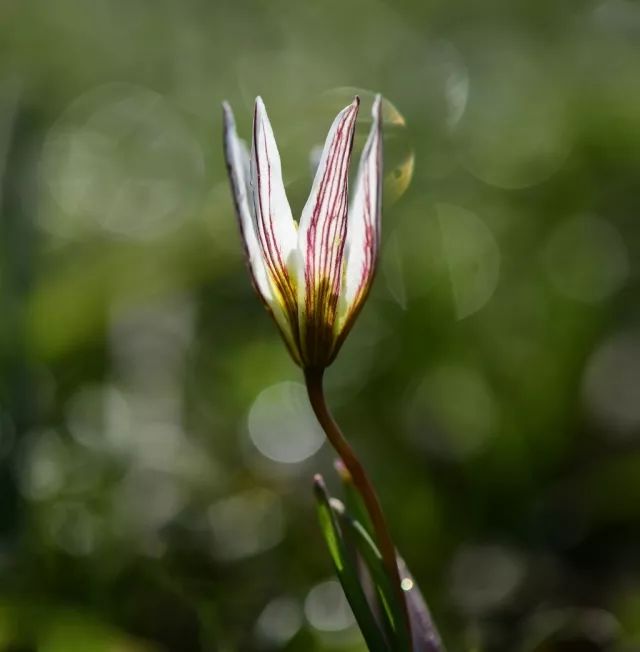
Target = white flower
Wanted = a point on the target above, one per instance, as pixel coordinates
(313, 276)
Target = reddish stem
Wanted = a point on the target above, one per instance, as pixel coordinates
(313, 378)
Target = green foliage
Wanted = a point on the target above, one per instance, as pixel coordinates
(346, 564)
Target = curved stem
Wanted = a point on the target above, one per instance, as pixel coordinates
(313, 378)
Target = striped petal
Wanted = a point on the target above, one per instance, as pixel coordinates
(363, 226)
(237, 159)
(267, 279)
(322, 232)
(276, 230)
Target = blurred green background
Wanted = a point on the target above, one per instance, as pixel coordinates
(156, 448)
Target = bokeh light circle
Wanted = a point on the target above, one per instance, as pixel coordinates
(246, 524)
(472, 257)
(279, 621)
(586, 259)
(611, 384)
(513, 133)
(452, 413)
(327, 609)
(122, 160)
(282, 425)
(484, 577)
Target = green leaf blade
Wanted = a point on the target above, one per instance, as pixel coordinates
(343, 560)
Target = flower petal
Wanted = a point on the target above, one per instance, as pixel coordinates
(238, 167)
(237, 159)
(276, 229)
(363, 227)
(322, 234)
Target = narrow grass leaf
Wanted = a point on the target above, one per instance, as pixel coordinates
(345, 564)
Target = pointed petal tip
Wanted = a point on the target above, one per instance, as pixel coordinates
(227, 113)
(354, 106)
(228, 125)
(320, 488)
(377, 105)
(342, 471)
(260, 115)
